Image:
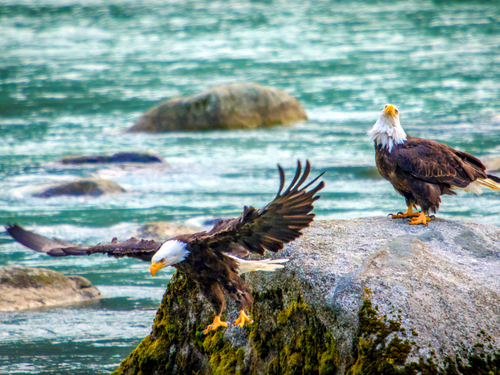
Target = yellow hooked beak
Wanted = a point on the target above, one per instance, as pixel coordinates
(155, 267)
(390, 109)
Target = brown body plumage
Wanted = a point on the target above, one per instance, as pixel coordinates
(209, 257)
(423, 170)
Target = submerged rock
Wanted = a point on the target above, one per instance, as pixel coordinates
(23, 288)
(90, 187)
(232, 106)
(362, 296)
(492, 164)
(163, 230)
(120, 157)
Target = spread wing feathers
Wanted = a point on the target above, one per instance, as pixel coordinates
(435, 162)
(133, 248)
(272, 226)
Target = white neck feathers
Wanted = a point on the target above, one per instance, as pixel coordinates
(387, 131)
(171, 252)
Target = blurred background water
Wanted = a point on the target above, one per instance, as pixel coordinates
(75, 74)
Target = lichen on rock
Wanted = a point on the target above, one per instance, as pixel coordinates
(93, 187)
(231, 106)
(361, 296)
(23, 288)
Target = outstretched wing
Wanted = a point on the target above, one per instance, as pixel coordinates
(435, 162)
(133, 248)
(272, 226)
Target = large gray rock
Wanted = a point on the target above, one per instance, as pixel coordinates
(233, 106)
(23, 288)
(89, 187)
(362, 296)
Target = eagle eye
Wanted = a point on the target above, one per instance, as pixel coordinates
(385, 106)
(397, 111)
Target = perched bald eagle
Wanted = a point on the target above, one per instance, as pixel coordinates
(422, 170)
(210, 257)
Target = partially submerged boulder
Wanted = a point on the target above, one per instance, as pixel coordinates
(362, 296)
(89, 187)
(120, 157)
(492, 164)
(23, 288)
(232, 106)
(163, 230)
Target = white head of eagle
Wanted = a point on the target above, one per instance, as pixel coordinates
(387, 131)
(170, 252)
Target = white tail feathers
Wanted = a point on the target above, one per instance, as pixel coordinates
(489, 183)
(476, 186)
(269, 265)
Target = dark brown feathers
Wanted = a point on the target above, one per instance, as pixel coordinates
(274, 225)
(134, 248)
(437, 163)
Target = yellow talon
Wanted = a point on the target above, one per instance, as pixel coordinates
(242, 319)
(421, 219)
(409, 213)
(216, 324)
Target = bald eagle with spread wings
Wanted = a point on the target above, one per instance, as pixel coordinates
(210, 258)
(422, 170)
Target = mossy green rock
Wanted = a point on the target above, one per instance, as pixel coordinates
(362, 296)
(232, 106)
(23, 288)
(83, 187)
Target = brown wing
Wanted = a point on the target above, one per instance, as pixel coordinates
(436, 163)
(272, 226)
(133, 248)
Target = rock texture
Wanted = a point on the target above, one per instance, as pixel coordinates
(362, 296)
(163, 230)
(120, 157)
(23, 288)
(492, 165)
(233, 106)
(89, 187)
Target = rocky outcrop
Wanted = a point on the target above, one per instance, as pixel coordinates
(362, 296)
(120, 157)
(163, 230)
(23, 288)
(89, 187)
(492, 164)
(233, 106)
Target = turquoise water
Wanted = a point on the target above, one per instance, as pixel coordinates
(75, 74)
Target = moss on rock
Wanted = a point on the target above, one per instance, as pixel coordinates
(376, 355)
(284, 339)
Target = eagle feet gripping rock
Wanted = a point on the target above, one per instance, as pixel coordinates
(242, 319)
(409, 213)
(216, 324)
(421, 219)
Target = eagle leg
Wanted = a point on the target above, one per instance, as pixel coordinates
(242, 319)
(216, 324)
(421, 219)
(409, 213)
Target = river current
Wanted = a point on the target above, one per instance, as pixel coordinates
(75, 74)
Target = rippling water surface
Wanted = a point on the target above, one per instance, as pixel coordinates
(75, 74)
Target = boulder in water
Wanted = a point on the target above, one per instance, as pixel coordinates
(361, 296)
(23, 288)
(163, 230)
(84, 187)
(120, 157)
(232, 106)
(492, 164)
